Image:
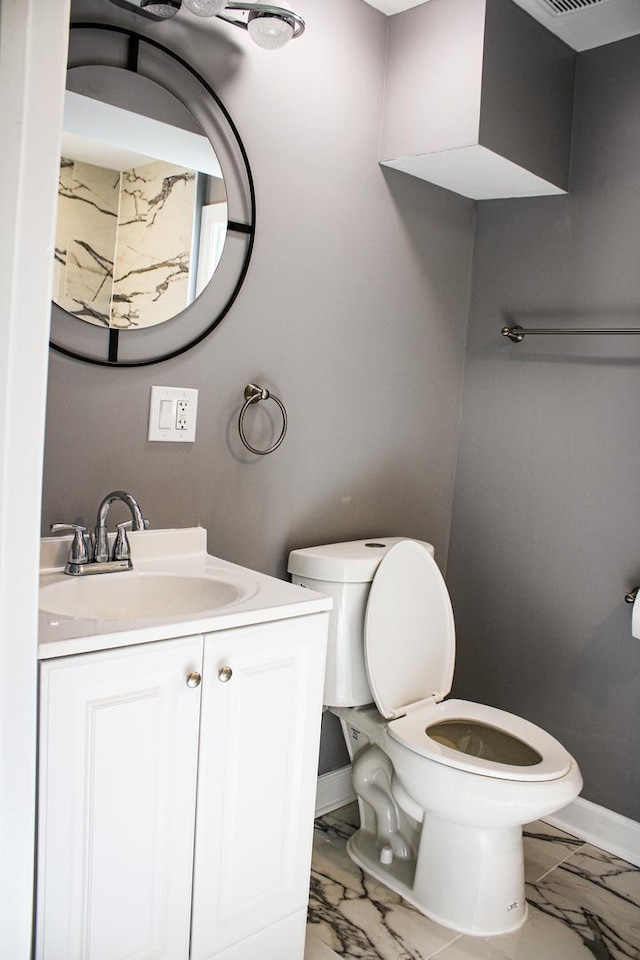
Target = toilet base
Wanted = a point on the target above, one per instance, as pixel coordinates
(467, 879)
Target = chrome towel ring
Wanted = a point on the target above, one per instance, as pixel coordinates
(253, 394)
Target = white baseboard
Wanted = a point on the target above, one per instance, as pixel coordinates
(603, 828)
(594, 824)
(334, 790)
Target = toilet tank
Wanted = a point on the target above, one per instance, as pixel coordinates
(344, 571)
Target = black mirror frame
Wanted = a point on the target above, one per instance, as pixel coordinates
(135, 40)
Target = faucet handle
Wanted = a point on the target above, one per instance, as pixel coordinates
(79, 550)
(121, 548)
(128, 525)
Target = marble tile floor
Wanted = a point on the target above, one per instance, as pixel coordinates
(583, 904)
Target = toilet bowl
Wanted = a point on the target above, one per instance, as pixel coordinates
(443, 786)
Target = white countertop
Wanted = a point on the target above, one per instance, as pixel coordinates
(177, 552)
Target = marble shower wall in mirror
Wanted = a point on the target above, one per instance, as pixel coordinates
(123, 242)
(86, 232)
(137, 237)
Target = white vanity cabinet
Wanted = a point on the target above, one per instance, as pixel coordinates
(175, 816)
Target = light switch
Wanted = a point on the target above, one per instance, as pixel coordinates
(166, 418)
(172, 414)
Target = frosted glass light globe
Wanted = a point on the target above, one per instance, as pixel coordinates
(205, 8)
(161, 8)
(268, 31)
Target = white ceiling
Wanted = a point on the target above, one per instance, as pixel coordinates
(602, 22)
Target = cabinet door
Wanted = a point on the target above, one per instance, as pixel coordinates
(118, 749)
(257, 780)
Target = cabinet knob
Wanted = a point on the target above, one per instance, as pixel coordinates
(194, 679)
(225, 674)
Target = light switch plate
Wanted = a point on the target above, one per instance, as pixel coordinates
(172, 414)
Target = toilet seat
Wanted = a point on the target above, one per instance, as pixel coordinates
(409, 645)
(409, 633)
(412, 732)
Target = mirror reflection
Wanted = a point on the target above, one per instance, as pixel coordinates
(142, 214)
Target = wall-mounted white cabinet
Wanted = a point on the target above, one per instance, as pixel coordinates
(176, 798)
(478, 99)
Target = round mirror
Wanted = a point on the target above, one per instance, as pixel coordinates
(155, 224)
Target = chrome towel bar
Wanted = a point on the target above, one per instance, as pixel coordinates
(517, 333)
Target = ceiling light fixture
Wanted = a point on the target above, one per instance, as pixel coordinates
(269, 25)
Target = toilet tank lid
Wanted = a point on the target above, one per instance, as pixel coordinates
(354, 561)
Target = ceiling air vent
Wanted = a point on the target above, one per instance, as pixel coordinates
(570, 6)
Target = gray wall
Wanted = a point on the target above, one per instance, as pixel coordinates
(546, 528)
(353, 312)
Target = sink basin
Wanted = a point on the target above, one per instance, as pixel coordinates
(136, 596)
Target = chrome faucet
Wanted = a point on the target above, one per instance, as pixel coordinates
(80, 562)
(121, 546)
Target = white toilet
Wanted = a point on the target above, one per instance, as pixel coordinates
(443, 786)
